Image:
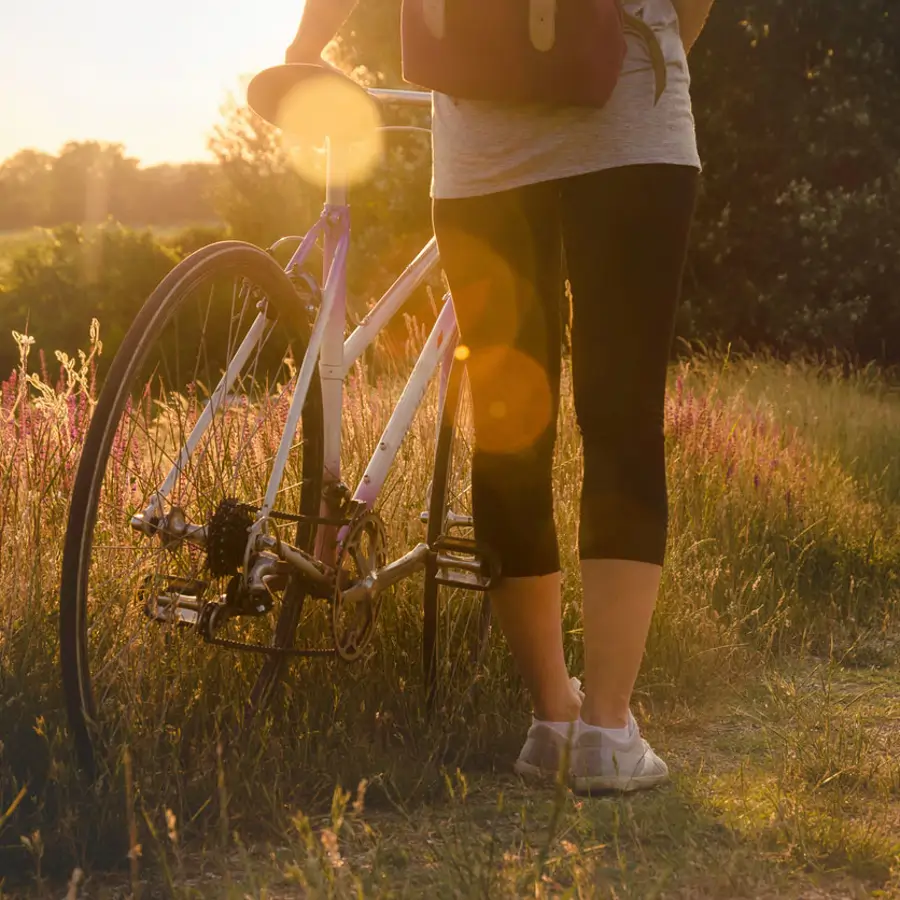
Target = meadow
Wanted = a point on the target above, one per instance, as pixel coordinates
(771, 685)
(772, 677)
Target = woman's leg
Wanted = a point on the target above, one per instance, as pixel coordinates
(626, 234)
(528, 610)
(501, 254)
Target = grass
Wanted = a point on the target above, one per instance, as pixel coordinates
(771, 685)
(784, 792)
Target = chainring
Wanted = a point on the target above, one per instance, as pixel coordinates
(362, 553)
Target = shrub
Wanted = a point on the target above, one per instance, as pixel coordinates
(54, 288)
(815, 271)
(191, 238)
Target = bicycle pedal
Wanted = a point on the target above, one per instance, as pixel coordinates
(467, 581)
(179, 602)
(465, 563)
(449, 544)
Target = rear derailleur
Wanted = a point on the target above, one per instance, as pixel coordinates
(238, 600)
(226, 546)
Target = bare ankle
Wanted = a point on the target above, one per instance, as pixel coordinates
(604, 715)
(558, 709)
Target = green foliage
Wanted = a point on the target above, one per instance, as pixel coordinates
(191, 238)
(817, 270)
(796, 244)
(260, 195)
(53, 288)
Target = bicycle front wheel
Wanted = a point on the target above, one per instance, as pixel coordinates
(135, 669)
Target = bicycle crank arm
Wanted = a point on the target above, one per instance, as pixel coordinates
(380, 580)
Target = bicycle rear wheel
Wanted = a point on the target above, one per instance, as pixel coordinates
(457, 622)
(135, 669)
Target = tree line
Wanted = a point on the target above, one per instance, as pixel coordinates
(91, 181)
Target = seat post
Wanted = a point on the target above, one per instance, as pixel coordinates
(335, 184)
(331, 357)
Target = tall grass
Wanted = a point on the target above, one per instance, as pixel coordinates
(784, 499)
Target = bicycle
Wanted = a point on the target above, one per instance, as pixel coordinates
(196, 462)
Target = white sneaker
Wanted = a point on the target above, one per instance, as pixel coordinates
(544, 748)
(601, 764)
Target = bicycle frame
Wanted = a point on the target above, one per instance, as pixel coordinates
(335, 357)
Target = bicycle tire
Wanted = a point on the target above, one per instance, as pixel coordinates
(220, 259)
(437, 510)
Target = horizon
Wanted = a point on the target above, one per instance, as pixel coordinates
(89, 73)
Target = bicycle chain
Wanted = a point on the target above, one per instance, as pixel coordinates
(294, 517)
(230, 644)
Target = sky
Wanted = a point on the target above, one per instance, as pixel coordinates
(150, 75)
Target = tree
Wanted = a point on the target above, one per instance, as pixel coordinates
(796, 243)
(371, 39)
(25, 190)
(91, 181)
(260, 195)
(55, 287)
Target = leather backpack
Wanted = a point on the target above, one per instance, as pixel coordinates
(559, 52)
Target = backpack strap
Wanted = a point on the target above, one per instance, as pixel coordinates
(641, 30)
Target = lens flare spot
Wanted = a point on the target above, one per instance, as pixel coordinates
(462, 353)
(337, 109)
(515, 399)
(488, 296)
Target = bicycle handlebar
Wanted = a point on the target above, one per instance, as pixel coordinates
(401, 98)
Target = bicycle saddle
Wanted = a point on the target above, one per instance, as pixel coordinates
(313, 102)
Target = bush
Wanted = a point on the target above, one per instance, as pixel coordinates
(54, 288)
(191, 238)
(814, 271)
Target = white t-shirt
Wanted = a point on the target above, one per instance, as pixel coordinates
(482, 148)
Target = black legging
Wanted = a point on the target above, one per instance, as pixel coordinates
(625, 233)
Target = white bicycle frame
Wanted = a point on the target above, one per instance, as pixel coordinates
(334, 356)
